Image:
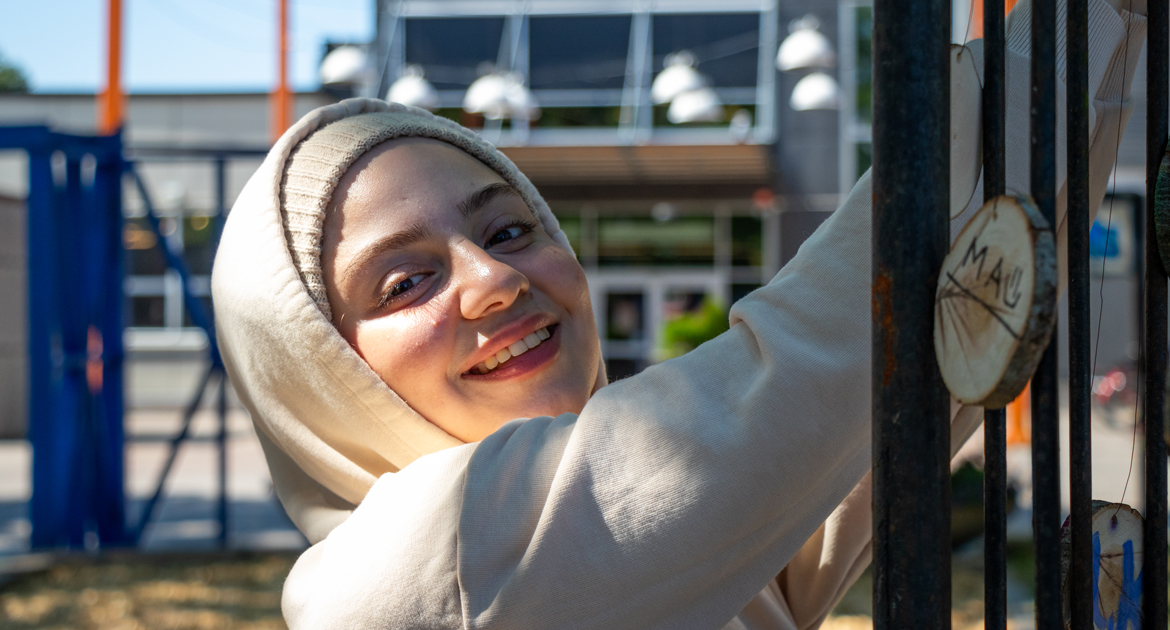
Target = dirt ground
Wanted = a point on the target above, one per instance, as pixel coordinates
(242, 592)
(150, 591)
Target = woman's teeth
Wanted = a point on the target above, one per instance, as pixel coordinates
(520, 347)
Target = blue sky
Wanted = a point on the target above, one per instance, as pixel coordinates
(175, 45)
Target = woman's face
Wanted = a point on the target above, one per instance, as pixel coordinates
(440, 277)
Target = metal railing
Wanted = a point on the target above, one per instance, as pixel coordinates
(911, 413)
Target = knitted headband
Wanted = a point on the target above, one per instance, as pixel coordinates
(318, 163)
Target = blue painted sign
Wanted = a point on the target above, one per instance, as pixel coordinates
(1124, 606)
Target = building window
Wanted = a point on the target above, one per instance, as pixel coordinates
(430, 43)
(856, 36)
(579, 52)
(629, 241)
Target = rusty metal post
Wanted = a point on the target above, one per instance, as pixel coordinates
(1080, 578)
(1046, 512)
(994, 420)
(1154, 340)
(911, 439)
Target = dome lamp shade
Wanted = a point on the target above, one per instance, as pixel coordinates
(701, 105)
(413, 89)
(677, 77)
(816, 91)
(345, 65)
(498, 96)
(805, 47)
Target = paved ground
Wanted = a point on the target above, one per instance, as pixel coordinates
(186, 518)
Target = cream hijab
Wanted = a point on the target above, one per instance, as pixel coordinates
(328, 424)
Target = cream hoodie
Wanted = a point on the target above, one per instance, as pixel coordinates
(669, 502)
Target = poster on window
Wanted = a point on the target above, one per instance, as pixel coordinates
(1111, 238)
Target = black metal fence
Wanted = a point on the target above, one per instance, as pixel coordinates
(910, 236)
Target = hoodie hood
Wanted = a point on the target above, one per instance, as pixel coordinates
(328, 424)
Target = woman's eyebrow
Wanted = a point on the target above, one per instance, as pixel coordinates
(480, 198)
(398, 240)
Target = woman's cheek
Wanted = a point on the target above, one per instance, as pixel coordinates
(406, 346)
(558, 271)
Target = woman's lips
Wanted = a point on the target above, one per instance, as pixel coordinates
(519, 361)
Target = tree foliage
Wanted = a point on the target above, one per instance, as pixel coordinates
(686, 332)
(12, 78)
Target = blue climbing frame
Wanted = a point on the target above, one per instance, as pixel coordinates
(75, 272)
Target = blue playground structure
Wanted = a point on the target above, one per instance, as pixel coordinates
(75, 304)
(76, 320)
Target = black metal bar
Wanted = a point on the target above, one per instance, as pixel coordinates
(1046, 510)
(188, 415)
(994, 420)
(221, 400)
(995, 519)
(1080, 578)
(911, 172)
(221, 443)
(1154, 346)
(994, 98)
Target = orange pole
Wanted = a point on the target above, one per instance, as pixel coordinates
(281, 98)
(111, 101)
(977, 16)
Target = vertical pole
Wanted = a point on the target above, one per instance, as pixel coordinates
(639, 59)
(1080, 577)
(220, 198)
(112, 101)
(281, 99)
(1046, 513)
(1154, 387)
(994, 420)
(111, 512)
(48, 482)
(221, 443)
(74, 410)
(911, 443)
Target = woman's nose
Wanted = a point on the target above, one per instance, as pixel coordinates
(486, 284)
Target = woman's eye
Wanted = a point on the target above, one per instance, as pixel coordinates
(509, 233)
(506, 234)
(401, 287)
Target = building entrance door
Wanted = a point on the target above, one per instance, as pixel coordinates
(631, 305)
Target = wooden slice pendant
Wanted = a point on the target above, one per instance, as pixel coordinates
(995, 307)
(1117, 567)
(1162, 210)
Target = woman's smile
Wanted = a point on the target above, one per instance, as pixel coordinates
(521, 358)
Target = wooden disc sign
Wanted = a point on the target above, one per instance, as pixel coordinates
(1117, 567)
(996, 303)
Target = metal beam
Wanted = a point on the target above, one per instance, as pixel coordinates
(911, 440)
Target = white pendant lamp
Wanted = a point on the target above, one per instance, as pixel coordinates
(701, 105)
(805, 47)
(345, 65)
(498, 96)
(816, 91)
(679, 76)
(413, 89)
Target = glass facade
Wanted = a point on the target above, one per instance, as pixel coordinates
(429, 43)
